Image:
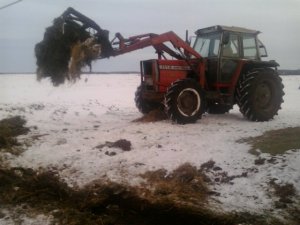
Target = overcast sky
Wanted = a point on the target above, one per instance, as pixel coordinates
(22, 25)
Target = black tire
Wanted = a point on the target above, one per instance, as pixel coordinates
(184, 101)
(144, 106)
(215, 108)
(259, 94)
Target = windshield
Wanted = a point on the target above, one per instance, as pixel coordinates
(208, 45)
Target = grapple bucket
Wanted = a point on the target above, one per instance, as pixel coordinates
(71, 43)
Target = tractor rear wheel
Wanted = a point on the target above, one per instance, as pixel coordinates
(184, 101)
(143, 105)
(259, 94)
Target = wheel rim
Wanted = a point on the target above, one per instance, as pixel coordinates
(188, 102)
(263, 95)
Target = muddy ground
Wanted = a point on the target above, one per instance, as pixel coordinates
(179, 197)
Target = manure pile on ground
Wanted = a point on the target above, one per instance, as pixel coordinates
(10, 128)
(152, 116)
(110, 203)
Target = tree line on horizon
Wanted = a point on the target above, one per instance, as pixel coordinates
(281, 72)
(289, 72)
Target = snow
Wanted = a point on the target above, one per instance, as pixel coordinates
(11, 217)
(69, 121)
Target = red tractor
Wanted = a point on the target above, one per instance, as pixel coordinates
(227, 70)
(222, 68)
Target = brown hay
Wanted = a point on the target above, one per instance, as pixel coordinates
(153, 116)
(54, 51)
(109, 203)
(82, 54)
(66, 48)
(185, 184)
(10, 128)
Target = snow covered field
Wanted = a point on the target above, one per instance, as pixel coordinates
(69, 122)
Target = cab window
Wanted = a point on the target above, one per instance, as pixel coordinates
(249, 47)
(208, 45)
(231, 49)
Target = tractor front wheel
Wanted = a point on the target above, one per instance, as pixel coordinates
(259, 94)
(184, 101)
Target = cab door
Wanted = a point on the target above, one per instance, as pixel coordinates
(210, 49)
(230, 55)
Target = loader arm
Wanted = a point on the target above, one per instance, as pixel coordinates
(126, 45)
(74, 41)
(157, 42)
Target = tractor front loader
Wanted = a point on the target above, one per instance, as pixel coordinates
(223, 67)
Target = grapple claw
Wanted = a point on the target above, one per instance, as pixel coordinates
(71, 43)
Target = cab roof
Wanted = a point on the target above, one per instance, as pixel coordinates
(219, 28)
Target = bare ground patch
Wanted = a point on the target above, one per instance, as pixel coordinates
(275, 141)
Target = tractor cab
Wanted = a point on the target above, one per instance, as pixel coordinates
(226, 50)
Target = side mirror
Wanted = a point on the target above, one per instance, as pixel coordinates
(225, 39)
(262, 49)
